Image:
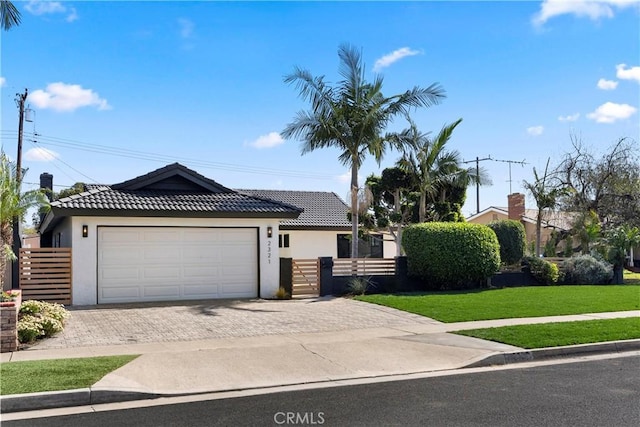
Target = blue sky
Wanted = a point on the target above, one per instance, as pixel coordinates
(118, 89)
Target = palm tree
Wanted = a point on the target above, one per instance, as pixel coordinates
(13, 205)
(546, 196)
(427, 160)
(351, 117)
(9, 14)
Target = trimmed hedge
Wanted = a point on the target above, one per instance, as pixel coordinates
(512, 239)
(451, 255)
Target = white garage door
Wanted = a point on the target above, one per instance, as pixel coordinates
(176, 263)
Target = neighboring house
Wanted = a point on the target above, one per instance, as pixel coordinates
(171, 234)
(322, 229)
(30, 241)
(516, 210)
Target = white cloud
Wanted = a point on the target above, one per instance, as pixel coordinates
(631, 73)
(73, 15)
(345, 178)
(607, 84)
(67, 97)
(38, 8)
(569, 118)
(610, 112)
(592, 9)
(535, 130)
(269, 140)
(3, 81)
(186, 28)
(40, 154)
(394, 56)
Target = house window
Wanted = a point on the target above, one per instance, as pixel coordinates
(495, 217)
(283, 240)
(56, 240)
(368, 246)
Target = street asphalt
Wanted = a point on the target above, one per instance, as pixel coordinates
(218, 346)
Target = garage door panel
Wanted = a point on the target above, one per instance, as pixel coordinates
(121, 292)
(161, 253)
(198, 253)
(202, 291)
(123, 235)
(119, 274)
(173, 263)
(164, 273)
(162, 235)
(170, 292)
(201, 272)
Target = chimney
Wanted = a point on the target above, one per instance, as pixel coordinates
(46, 184)
(516, 206)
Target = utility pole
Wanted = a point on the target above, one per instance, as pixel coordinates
(15, 279)
(478, 160)
(510, 163)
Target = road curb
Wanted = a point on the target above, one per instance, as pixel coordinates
(556, 352)
(87, 396)
(67, 398)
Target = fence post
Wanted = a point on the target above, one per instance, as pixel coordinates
(326, 276)
(402, 273)
(286, 274)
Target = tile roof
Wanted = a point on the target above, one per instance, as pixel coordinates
(322, 209)
(106, 198)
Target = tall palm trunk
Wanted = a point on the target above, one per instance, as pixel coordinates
(354, 211)
(422, 210)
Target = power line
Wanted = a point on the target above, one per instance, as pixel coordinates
(142, 155)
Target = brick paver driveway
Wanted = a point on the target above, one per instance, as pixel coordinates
(200, 320)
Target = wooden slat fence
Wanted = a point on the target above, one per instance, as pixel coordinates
(556, 260)
(45, 274)
(306, 277)
(364, 267)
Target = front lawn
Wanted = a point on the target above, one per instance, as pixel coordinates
(533, 301)
(59, 374)
(559, 334)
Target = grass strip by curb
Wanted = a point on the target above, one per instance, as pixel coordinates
(508, 303)
(57, 374)
(560, 334)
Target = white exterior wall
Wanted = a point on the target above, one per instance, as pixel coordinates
(85, 249)
(306, 244)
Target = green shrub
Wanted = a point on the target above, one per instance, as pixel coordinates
(545, 272)
(587, 270)
(512, 240)
(359, 285)
(39, 319)
(451, 255)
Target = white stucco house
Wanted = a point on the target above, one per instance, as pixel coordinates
(322, 229)
(171, 234)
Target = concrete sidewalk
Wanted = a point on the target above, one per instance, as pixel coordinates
(238, 363)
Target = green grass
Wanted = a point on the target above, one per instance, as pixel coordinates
(559, 334)
(534, 301)
(59, 374)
